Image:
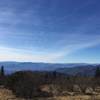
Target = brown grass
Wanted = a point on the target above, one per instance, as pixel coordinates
(6, 94)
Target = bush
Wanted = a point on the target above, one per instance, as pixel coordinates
(26, 84)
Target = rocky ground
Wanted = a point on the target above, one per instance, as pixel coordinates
(6, 94)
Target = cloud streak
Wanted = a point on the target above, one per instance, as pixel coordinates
(45, 56)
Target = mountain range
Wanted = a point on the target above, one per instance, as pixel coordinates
(70, 68)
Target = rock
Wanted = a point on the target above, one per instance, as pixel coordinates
(77, 89)
(97, 89)
(66, 93)
(45, 88)
(1, 86)
(89, 91)
(50, 89)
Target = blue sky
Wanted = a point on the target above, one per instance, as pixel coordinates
(53, 31)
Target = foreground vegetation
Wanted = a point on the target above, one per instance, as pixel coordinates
(6, 94)
(50, 86)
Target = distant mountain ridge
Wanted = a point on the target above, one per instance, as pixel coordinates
(70, 68)
(87, 70)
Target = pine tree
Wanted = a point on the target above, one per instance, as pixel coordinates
(97, 72)
(54, 74)
(2, 71)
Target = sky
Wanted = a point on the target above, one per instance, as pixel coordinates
(51, 31)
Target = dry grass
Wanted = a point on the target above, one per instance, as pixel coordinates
(80, 97)
(84, 97)
(6, 94)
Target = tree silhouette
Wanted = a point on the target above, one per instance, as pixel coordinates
(54, 74)
(2, 71)
(97, 72)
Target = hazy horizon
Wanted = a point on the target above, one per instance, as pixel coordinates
(50, 31)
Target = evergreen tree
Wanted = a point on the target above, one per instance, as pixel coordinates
(54, 74)
(97, 72)
(2, 71)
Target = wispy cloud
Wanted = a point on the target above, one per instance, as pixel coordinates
(11, 54)
(49, 56)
